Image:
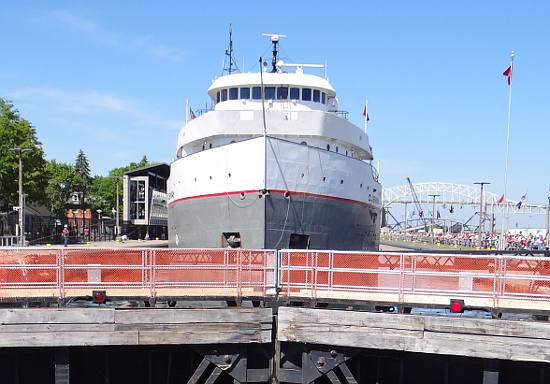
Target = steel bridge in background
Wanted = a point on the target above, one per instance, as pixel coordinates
(457, 194)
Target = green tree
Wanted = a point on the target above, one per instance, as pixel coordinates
(60, 186)
(82, 179)
(18, 132)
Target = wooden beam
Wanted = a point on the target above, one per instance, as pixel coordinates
(484, 338)
(147, 326)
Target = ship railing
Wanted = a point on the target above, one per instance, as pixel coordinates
(396, 278)
(202, 111)
(342, 114)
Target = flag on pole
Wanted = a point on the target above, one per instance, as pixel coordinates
(366, 112)
(438, 214)
(500, 200)
(508, 74)
(192, 114)
(521, 201)
(548, 196)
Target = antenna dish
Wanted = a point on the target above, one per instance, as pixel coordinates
(275, 37)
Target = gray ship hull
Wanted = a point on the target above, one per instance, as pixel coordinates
(273, 221)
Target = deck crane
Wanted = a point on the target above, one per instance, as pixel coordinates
(417, 202)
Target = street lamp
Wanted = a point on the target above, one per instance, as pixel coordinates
(20, 152)
(433, 216)
(481, 184)
(99, 222)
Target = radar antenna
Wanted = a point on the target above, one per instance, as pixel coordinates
(229, 56)
(275, 41)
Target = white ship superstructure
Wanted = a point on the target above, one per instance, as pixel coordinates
(273, 169)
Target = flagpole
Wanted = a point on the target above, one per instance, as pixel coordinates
(366, 120)
(504, 226)
(186, 111)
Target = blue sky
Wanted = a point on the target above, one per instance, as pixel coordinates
(112, 77)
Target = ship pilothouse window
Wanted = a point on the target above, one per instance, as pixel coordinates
(269, 93)
(282, 93)
(233, 93)
(294, 93)
(316, 95)
(323, 97)
(224, 94)
(256, 93)
(306, 94)
(218, 97)
(245, 93)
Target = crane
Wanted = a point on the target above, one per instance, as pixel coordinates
(417, 202)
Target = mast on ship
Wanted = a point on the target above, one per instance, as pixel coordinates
(275, 41)
(229, 56)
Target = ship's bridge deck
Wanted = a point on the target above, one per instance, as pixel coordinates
(302, 91)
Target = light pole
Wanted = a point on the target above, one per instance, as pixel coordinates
(433, 217)
(99, 222)
(20, 152)
(481, 184)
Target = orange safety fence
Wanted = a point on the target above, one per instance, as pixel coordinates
(482, 280)
(75, 272)
(486, 280)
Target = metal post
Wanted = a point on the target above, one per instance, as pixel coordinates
(548, 225)
(117, 211)
(433, 217)
(20, 152)
(405, 221)
(481, 184)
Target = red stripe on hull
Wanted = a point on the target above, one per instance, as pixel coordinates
(277, 191)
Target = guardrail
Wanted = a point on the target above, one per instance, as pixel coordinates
(486, 281)
(62, 273)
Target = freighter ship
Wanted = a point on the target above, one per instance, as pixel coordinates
(274, 164)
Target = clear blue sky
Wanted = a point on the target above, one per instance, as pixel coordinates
(112, 77)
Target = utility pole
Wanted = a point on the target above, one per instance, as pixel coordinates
(20, 152)
(433, 216)
(481, 184)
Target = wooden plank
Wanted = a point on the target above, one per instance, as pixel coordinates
(14, 328)
(68, 339)
(352, 318)
(496, 327)
(195, 335)
(487, 347)
(179, 316)
(57, 315)
(484, 338)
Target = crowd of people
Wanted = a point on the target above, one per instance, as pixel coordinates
(514, 241)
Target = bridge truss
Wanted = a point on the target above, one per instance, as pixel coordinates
(457, 194)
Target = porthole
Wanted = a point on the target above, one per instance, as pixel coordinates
(341, 181)
(229, 175)
(210, 177)
(324, 178)
(361, 185)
